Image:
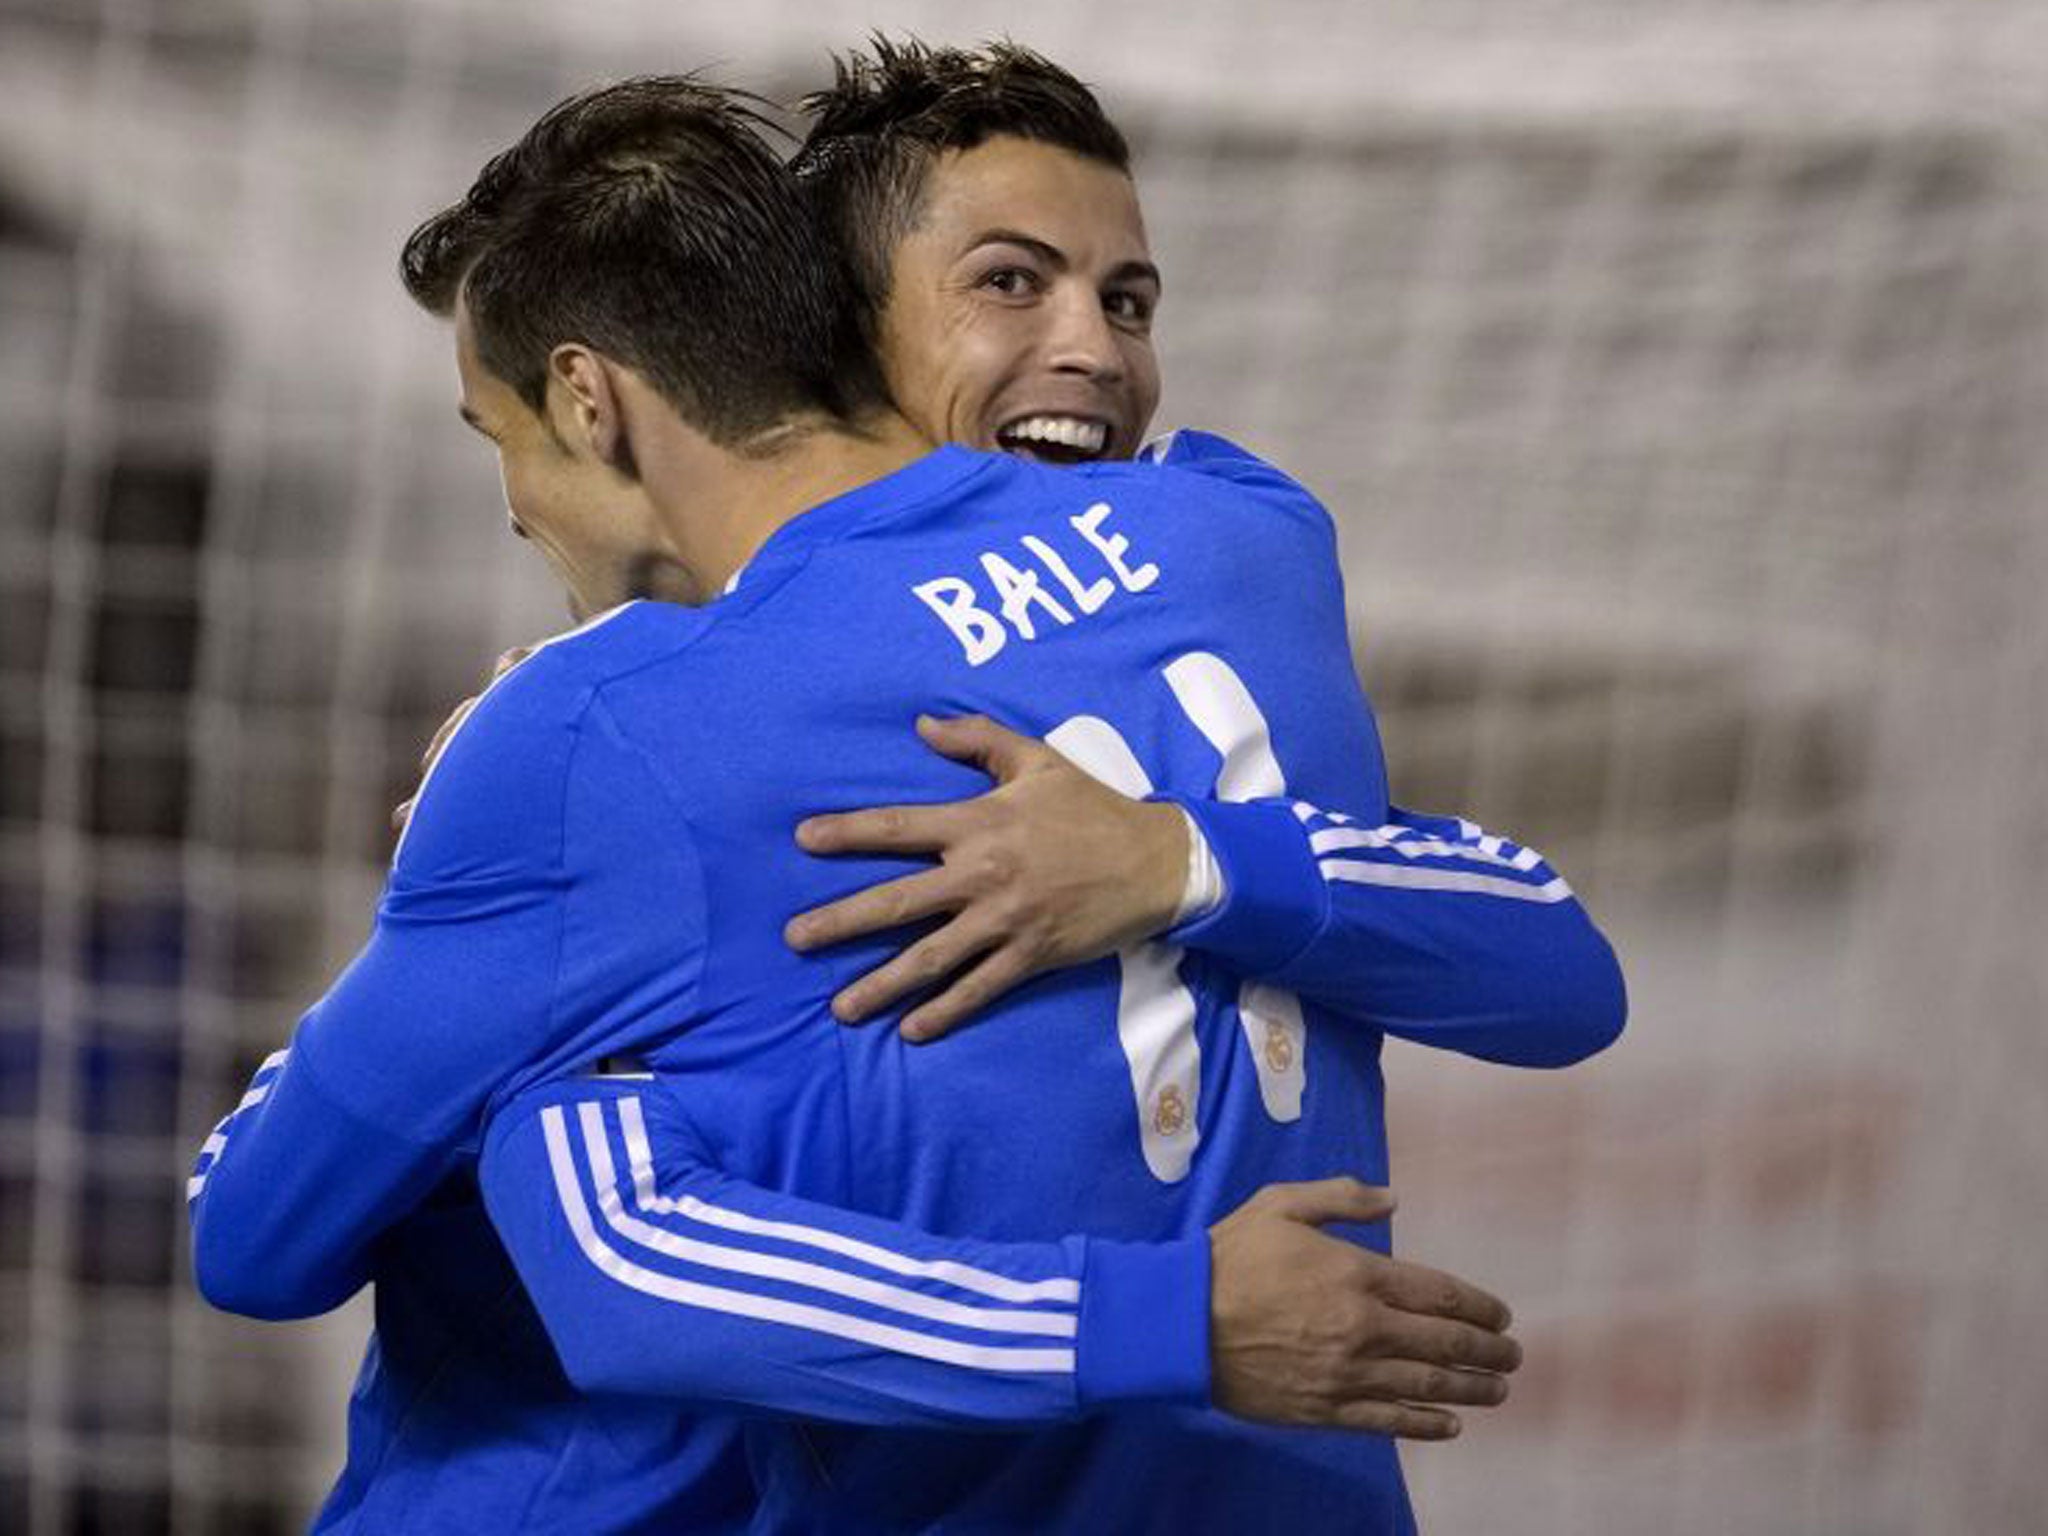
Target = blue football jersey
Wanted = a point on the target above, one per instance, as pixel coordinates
(877, 1251)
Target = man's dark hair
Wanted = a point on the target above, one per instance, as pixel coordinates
(650, 221)
(891, 112)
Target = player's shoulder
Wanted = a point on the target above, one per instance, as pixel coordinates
(1209, 454)
(508, 759)
(1185, 447)
(1206, 467)
(557, 679)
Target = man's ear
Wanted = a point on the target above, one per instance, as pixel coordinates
(586, 408)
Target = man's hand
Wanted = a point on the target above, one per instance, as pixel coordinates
(506, 661)
(1048, 869)
(1305, 1328)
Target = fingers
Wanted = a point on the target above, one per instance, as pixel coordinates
(886, 829)
(1404, 1421)
(974, 739)
(448, 728)
(1410, 1381)
(995, 749)
(402, 812)
(1418, 1288)
(1319, 1201)
(931, 959)
(888, 905)
(1441, 1341)
(1302, 1331)
(996, 974)
(507, 660)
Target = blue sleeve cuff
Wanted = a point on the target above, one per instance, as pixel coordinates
(1274, 899)
(1144, 1329)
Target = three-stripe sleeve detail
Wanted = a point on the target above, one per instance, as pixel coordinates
(1429, 853)
(696, 1254)
(217, 1140)
(640, 1159)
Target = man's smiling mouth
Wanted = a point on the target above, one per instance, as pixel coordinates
(1055, 439)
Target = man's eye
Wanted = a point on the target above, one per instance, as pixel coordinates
(1012, 282)
(1129, 308)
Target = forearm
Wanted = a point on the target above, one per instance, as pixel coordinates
(1425, 928)
(380, 1094)
(290, 1192)
(658, 1275)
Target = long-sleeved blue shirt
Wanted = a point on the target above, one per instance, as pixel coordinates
(601, 864)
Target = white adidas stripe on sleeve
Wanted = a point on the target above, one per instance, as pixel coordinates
(1402, 855)
(260, 1084)
(830, 1284)
(769, 1266)
(961, 1276)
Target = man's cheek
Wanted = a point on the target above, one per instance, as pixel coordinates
(1144, 393)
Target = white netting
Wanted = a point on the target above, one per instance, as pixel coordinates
(1679, 382)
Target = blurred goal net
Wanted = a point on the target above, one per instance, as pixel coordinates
(1679, 384)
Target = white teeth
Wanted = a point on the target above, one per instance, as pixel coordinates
(1070, 431)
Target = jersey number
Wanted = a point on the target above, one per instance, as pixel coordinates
(1155, 1015)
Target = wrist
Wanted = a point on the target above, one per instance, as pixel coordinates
(1274, 899)
(1143, 1334)
(1167, 861)
(1203, 890)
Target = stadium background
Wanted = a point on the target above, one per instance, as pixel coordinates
(1679, 377)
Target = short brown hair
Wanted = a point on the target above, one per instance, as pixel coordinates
(892, 111)
(651, 221)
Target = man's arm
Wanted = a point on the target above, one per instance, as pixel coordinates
(657, 1275)
(384, 1084)
(1428, 928)
(1424, 927)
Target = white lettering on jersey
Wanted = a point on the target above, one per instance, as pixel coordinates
(952, 599)
(1112, 547)
(1089, 598)
(1018, 588)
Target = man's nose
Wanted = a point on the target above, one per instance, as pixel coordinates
(1083, 340)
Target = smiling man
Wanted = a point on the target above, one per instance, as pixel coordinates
(1020, 305)
(987, 203)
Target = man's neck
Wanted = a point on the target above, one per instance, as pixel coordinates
(736, 501)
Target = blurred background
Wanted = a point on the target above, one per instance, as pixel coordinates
(1679, 378)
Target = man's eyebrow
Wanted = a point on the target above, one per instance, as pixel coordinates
(1053, 256)
(475, 422)
(1044, 250)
